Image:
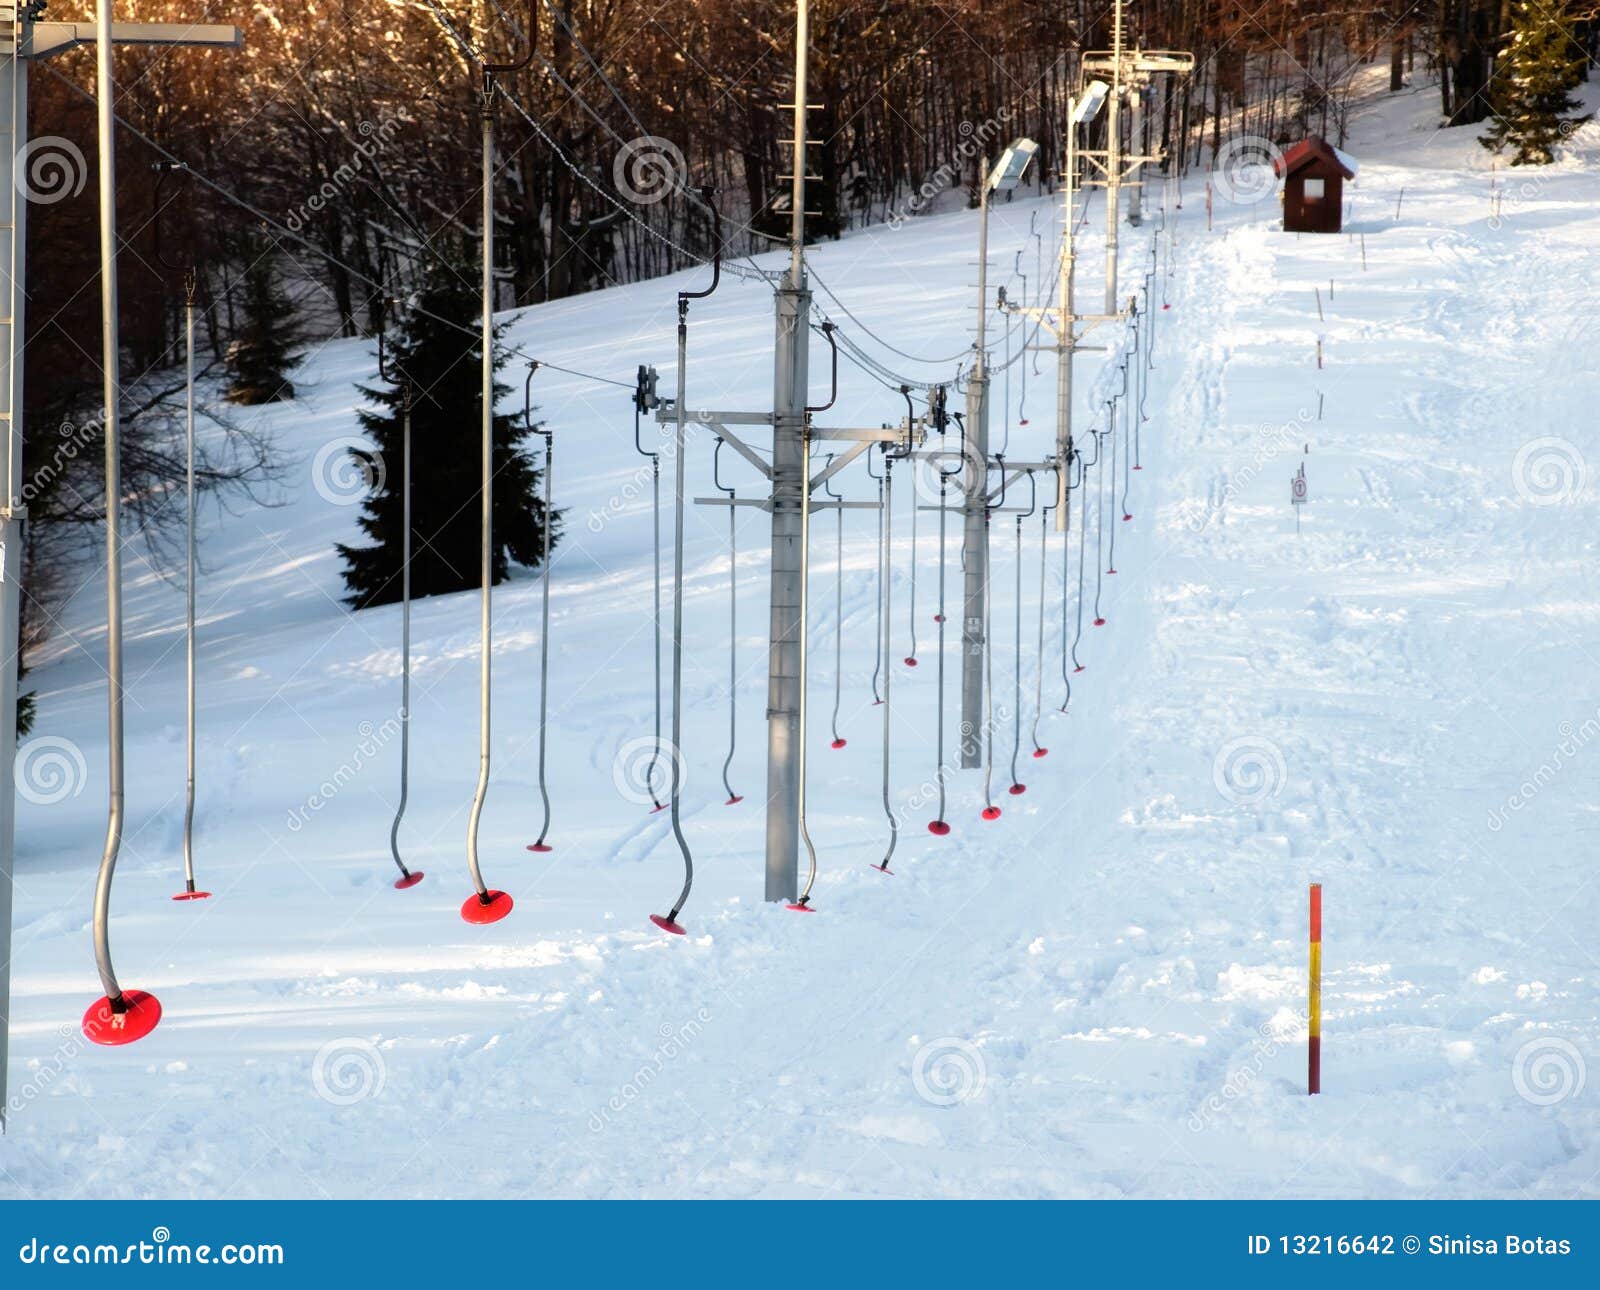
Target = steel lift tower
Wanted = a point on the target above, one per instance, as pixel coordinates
(791, 479)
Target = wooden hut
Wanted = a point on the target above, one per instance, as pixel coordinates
(1313, 173)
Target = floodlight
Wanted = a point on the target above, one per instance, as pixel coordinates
(1088, 104)
(1013, 164)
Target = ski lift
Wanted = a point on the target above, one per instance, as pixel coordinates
(838, 608)
(487, 905)
(398, 379)
(669, 921)
(185, 266)
(733, 798)
(539, 844)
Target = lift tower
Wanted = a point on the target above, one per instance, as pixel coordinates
(789, 473)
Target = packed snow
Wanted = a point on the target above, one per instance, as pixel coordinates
(1102, 993)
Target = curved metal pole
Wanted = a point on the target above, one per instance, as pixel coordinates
(878, 652)
(1016, 671)
(189, 634)
(398, 379)
(107, 1020)
(838, 609)
(804, 632)
(733, 623)
(485, 898)
(886, 590)
(670, 923)
(405, 628)
(1039, 750)
(549, 436)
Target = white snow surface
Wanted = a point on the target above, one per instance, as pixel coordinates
(1102, 994)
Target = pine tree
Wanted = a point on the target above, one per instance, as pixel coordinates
(262, 353)
(444, 364)
(1528, 91)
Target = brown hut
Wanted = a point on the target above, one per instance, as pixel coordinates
(1313, 174)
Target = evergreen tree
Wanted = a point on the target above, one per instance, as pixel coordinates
(1528, 91)
(263, 350)
(444, 364)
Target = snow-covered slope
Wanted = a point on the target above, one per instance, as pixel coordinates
(1100, 994)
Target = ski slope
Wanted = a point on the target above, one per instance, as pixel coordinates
(1102, 993)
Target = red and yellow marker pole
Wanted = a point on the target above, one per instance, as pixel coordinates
(1314, 1044)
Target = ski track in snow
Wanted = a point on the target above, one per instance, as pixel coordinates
(1099, 995)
